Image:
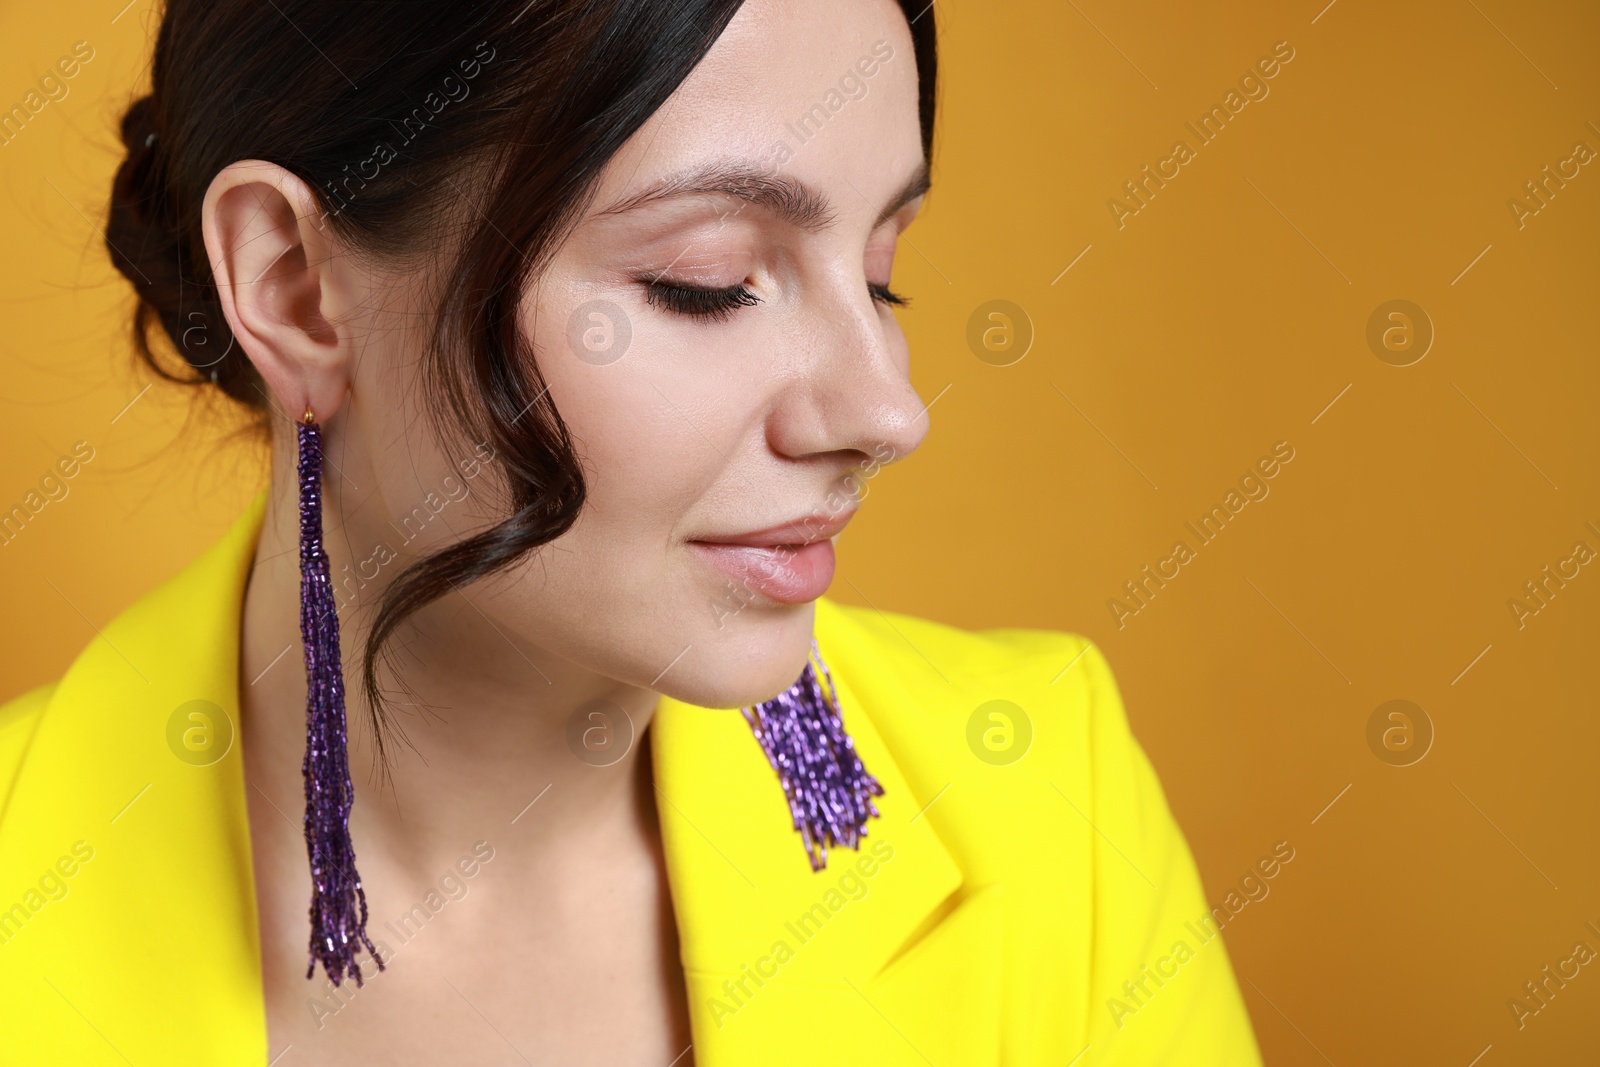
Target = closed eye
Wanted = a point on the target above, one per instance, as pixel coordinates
(698, 302)
(884, 295)
(718, 304)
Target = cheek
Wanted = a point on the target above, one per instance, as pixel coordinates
(651, 430)
(671, 440)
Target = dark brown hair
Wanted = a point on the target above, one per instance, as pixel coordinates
(397, 115)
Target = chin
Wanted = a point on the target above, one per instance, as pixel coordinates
(753, 657)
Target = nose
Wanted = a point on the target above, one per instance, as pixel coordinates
(854, 397)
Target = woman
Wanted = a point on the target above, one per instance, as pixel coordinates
(570, 328)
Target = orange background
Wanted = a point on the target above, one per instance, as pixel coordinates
(1228, 314)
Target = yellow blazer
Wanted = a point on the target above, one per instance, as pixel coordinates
(1040, 911)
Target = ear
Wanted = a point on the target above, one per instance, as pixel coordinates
(281, 283)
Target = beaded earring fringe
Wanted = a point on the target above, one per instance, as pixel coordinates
(338, 903)
(829, 790)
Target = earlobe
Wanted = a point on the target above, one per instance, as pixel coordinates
(273, 262)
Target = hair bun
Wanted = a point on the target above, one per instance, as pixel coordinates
(139, 125)
(147, 241)
(141, 230)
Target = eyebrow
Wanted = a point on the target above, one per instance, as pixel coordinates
(790, 199)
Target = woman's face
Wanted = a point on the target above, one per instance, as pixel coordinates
(716, 334)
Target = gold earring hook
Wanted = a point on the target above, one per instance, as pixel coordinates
(308, 418)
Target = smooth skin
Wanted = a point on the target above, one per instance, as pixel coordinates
(563, 947)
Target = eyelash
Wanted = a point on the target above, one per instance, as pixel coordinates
(884, 295)
(716, 305)
(697, 302)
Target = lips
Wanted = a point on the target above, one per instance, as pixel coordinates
(791, 562)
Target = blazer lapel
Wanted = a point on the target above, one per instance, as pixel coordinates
(158, 914)
(886, 953)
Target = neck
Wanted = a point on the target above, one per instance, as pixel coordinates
(487, 737)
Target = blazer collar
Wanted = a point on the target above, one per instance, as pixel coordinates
(886, 953)
(163, 913)
(774, 955)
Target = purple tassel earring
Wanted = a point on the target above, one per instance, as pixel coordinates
(829, 790)
(337, 931)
